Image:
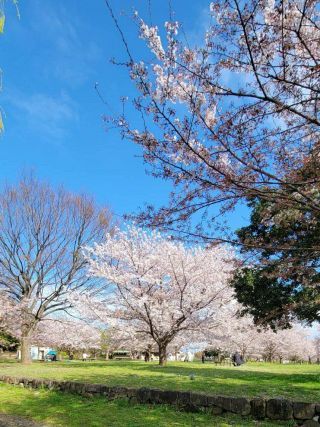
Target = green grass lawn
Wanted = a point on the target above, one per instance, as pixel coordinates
(298, 382)
(58, 409)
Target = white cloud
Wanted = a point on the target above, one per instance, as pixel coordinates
(72, 56)
(48, 115)
(195, 35)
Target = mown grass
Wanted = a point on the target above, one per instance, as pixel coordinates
(296, 382)
(58, 409)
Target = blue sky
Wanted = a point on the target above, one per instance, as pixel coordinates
(51, 59)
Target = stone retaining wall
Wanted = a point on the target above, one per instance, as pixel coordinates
(275, 409)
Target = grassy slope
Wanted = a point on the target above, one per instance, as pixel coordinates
(59, 409)
(298, 382)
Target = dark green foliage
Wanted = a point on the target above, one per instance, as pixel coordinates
(212, 352)
(282, 245)
(272, 301)
(8, 342)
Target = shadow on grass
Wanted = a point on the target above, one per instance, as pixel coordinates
(60, 409)
(243, 381)
(54, 408)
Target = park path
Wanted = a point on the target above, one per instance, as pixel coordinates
(15, 421)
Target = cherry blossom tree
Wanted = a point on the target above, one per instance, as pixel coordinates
(291, 344)
(42, 231)
(11, 313)
(241, 334)
(234, 118)
(160, 287)
(117, 333)
(122, 336)
(317, 348)
(68, 335)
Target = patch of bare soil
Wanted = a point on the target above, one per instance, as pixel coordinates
(15, 421)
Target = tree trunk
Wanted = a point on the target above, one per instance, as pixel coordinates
(162, 355)
(107, 354)
(25, 349)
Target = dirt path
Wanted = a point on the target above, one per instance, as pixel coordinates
(15, 421)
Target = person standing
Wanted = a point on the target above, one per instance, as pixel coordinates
(237, 359)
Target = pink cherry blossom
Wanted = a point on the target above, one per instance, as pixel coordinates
(159, 286)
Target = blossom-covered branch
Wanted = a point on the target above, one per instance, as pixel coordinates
(232, 119)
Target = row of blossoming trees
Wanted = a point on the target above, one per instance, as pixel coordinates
(61, 258)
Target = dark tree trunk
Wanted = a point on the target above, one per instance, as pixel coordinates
(162, 354)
